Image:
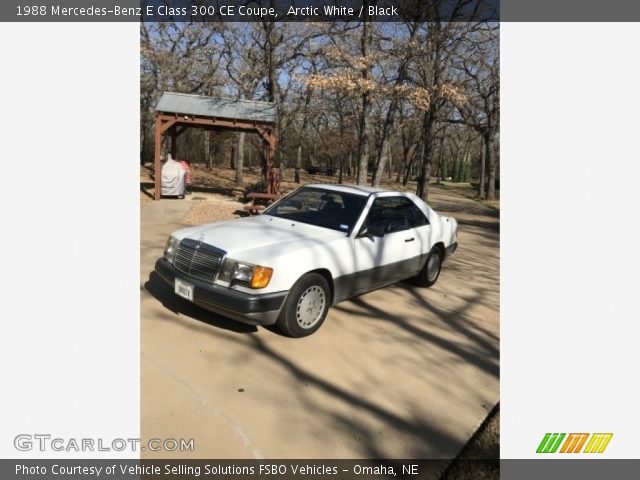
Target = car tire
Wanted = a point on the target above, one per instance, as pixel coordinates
(306, 306)
(431, 269)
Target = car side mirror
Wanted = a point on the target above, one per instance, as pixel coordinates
(372, 231)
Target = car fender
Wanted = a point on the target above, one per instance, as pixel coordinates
(336, 257)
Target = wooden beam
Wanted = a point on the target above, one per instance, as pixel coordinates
(157, 168)
(188, 120)
(166, 125)
(264, 132)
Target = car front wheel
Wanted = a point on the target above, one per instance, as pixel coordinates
(306, 306)
(431, 270)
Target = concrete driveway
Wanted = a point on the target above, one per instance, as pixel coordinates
(401, 372)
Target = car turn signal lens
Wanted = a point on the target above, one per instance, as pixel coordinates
(261, 277)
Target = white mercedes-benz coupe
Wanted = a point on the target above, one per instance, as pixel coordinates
(315, 247)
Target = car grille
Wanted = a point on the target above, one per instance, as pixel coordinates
(198, 260)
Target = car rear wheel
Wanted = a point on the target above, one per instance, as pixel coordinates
(306, 306)
(431, 270)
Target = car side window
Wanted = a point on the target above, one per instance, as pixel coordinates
(395, 214)
(417, 218)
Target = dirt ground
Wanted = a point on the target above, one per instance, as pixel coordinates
(219, 184)
(401, 372)
(480, 458)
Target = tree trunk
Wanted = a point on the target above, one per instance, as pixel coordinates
(363, 157)
(491, 168)
(232, 157)
(427, 155)
(298, 164)
(270, 63)
(305, 118)
(240, 158)
(440, 170)
(400, 169)
(482, 168)
(411, 158)
(283, 165)
(363, 140)
(270, 59)
(207, 149)
(381, 159)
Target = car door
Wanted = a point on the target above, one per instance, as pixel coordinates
(382, 260)
(422, 230)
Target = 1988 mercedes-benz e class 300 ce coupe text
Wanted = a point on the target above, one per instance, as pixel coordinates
(315, 247)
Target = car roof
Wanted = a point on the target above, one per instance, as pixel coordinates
(356, 189)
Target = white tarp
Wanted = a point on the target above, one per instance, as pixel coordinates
(173, 178)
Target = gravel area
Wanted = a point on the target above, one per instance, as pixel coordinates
(209, 208)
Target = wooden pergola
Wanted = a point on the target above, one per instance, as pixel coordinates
(176, 112)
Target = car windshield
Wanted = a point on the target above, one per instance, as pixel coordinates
(321, 207)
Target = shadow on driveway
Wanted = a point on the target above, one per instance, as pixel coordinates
(162, 292)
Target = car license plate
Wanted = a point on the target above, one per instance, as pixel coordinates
(184, 289)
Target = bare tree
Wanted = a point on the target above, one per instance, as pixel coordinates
(404, 50)
(402, 97)
(480, 73)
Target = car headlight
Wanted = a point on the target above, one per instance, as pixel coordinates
(252, 276)
(170, 249)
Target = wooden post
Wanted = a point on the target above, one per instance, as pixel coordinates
(264, 163)
(157, 168)
(271, 150)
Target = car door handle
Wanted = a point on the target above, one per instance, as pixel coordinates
(409, 239)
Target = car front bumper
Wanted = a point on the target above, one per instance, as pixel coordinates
(254, 309)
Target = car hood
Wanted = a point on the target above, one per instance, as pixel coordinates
(260, 236)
